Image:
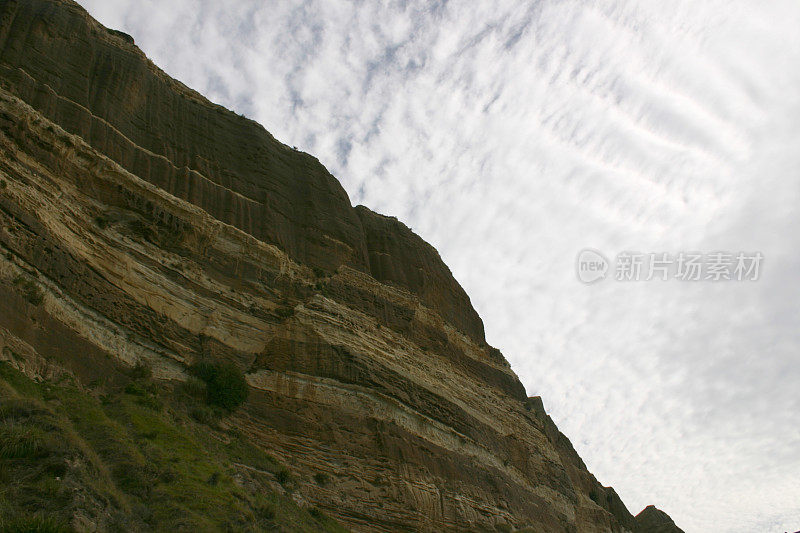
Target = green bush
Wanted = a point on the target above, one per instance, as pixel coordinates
(226, 385)
(282, 476)
(321, 478)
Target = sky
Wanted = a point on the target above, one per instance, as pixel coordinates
(512, 135)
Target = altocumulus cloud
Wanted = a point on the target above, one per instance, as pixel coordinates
(512, 134)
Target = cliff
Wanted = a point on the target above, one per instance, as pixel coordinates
(654, 520)
(143, 226)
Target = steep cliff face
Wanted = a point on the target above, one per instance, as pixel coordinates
(96, 84)
(140, 222)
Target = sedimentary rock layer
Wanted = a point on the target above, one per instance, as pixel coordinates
(99, 85)
(138, 221)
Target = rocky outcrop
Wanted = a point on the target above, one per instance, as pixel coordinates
(138, 221)
(654, 520)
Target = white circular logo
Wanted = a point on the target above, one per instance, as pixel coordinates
(591, 266)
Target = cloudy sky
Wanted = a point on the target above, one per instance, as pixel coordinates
(511, 135)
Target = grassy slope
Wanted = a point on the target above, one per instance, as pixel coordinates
(71, 457)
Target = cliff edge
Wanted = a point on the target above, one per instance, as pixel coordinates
(142, 226)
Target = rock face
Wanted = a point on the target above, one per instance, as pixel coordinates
(654, 520)
(139, 221)
(96, 84)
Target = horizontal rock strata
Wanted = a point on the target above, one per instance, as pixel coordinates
(139, 221)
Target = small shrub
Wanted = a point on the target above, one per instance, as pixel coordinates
(226, 385)
(316, 513)
(282, 476)
(101, 221)
(145, 392)
(3, 184)
(284, 312)
(151, 402)
(203, 414)
(321, 478)
(141, 370)
(30, 291)
(136, 389)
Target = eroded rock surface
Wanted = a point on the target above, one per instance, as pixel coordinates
(654, 520)
(139, 221)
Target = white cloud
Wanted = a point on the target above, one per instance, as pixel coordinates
(511, 135)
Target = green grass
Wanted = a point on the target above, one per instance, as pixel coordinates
(20, 442)
(135, 460)
(34, 524)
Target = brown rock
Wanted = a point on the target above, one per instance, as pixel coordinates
(138, 221)
(654, 520)
(171, 136)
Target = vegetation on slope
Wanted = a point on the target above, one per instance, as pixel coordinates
(133, 458)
